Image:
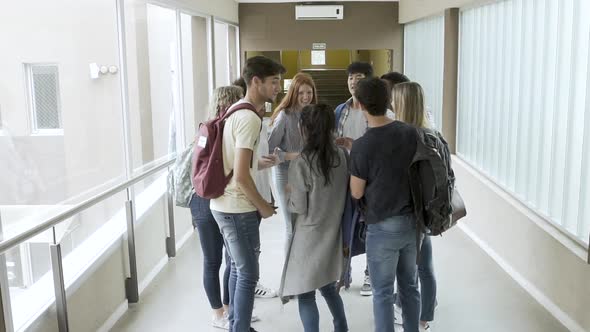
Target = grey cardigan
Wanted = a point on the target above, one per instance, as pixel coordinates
(285, 134)
(314, 255)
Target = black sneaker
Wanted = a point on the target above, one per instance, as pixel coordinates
(252, 330)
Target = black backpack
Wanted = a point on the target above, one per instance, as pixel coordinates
(437, 204)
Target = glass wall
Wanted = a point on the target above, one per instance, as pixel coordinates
(221, 43)
(424, 61)
(62, 137)
(227, 55)
(524, 104)
(63, 134)
(197, 73)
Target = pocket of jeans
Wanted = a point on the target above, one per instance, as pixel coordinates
(200, 208)
(229, 229)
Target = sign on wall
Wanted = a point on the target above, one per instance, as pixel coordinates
(318, 46)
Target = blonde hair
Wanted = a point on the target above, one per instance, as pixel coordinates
(223, 97)
(408, 104)
(290, 99)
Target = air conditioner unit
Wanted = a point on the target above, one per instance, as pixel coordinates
(319, 12)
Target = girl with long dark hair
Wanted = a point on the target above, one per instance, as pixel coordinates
(317, 187)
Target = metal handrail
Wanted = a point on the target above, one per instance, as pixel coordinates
(47, 224)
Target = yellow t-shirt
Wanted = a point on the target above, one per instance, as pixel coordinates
(241, 131)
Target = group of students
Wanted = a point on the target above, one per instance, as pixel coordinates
(318, 156)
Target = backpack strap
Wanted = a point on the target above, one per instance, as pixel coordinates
(338, 113)
(238, 107)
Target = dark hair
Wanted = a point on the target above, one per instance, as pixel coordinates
(373, 94)
(360, 68)
(394, 78)
(242, 84)
(261, 67)
(319, 151)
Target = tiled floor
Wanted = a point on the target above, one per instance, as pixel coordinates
(475, 295)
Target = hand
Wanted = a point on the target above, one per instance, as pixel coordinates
(267, 211)
(345, 142)
(268, 161)
(280, 154)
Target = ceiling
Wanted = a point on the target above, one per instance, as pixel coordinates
(314, 1)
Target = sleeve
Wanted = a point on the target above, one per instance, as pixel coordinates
(247, 131)
(359, 163)
(276, 132)
(299, 181)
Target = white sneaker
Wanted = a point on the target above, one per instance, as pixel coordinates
(220, 323)
(366, 290)
(398, 317)
(425, 328)
(264, 292)
(255, 317)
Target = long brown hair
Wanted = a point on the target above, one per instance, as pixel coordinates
(290, 99)
(408, 104)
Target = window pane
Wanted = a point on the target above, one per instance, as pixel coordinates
(30, 281)
(195, 66)
(424, 58)
(535, 152)
(45, 85)
(222, 67)
(234, 70)
(154, 94)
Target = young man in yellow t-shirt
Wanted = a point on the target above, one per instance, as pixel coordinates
(238, 210)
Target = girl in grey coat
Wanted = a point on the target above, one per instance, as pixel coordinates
(318, 181)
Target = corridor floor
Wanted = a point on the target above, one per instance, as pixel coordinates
(474, 294)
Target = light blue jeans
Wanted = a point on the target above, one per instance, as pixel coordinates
(391, 247)
(242, 240)
(310, 316)
(427, 282)
(281, 178)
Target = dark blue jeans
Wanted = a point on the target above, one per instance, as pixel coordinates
(427, 282)
(391, 247)
(310, 316)
(242, 240)
(212, 247)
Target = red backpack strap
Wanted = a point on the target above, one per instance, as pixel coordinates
(237, 107)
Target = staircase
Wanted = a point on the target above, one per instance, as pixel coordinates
(331, 85)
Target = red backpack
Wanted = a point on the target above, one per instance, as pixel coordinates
(208, 174)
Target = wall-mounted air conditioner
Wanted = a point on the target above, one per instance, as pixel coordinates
(319, 12)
